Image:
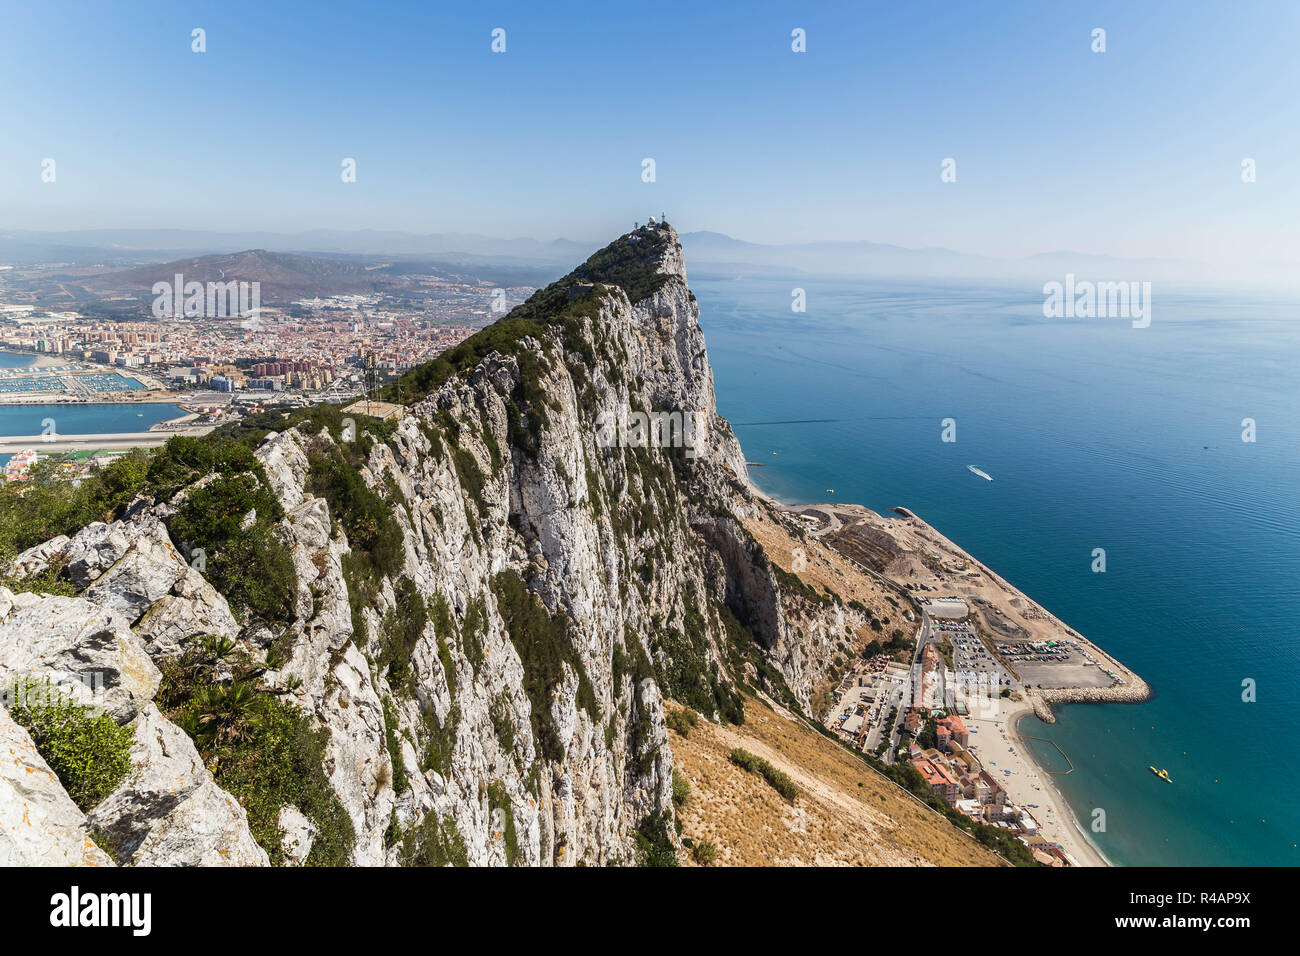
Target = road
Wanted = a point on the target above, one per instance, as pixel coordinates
(922, 636)
(53, 444)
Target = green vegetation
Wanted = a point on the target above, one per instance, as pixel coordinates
(654, 842)
(544, 645)
(47, 505)
(687, 674)
(49, 581)
(682, 720)
(474, 630)
(499, 801)
(399, 632)
(435, 842)
(631, 265)
(364, 515)
(259, 747)
(400, 782)
(310, 420)
(792, 584)
(439, 740)
(471, 476)
(780, 782)
(502, 723)
(249, 564)
(88, 751)
(704, 852)
(247, 560)
(747, 654)
(681, 789)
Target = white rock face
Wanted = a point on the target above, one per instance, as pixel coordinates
(298, 834)
(545, 746)
(169, 811)
(39, 823)
(88, 652)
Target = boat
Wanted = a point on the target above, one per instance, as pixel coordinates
(977, 471)
(1162, 774)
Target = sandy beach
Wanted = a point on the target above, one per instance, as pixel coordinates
(998, 745)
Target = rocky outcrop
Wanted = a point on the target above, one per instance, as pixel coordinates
(169, 811)
(83, 649)
(39, 823)
(493, 693)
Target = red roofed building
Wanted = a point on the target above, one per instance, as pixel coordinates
(952, 728)
(941, 782)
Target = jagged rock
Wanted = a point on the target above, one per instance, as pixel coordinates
(88, 652)
(37, 559)
(170, 811)
(39, 823)
(356, 757)
(630, 552)
(193, 608)
(144, 573)
(285, 464)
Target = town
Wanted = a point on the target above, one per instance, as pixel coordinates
(931, 715)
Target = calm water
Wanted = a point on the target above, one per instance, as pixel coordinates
(16, 360)
(77, 419)
(1098, 435)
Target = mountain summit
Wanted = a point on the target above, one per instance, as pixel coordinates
(449, 638)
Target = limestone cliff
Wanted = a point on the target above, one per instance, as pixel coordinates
(488, 602)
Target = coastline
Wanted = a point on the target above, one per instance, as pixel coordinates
(1029, 782)
(39, 359)
(1069, 829)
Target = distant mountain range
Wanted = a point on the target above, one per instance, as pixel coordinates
(535, 261)
(92, 280)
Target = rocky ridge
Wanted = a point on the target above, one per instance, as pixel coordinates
(493, 694)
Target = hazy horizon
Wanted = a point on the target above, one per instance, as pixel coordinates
(1135, 152)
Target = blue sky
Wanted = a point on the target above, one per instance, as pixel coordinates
(1135, 152)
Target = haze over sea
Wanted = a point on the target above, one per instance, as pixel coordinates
(1098, 435)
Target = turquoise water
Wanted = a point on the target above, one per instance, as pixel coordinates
(1098, 435)
(83, 419)
(89, 419)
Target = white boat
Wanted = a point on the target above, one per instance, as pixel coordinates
(977, 471)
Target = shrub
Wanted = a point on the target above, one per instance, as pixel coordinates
(262, 749)
(705, 853)
(682, 720)
(435, 842)
(499, 801)
(780, 782)
(250, 563)
(400, 783)
(654, 843)
(399, 632)
(544, 646)
(364, 515)
(88, 752)
(681, 789)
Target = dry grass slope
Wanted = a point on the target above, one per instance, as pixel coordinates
(845, 813)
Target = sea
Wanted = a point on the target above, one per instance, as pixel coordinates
(1175, 449)
(87, 419)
